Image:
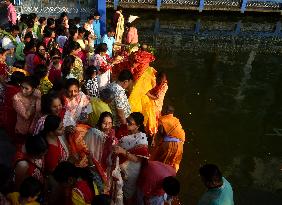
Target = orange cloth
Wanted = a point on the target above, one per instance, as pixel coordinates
(77, 145)
(172, 127)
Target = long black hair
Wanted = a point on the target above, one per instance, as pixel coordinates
(52, 123)
(139, 120)
(67, 64)
(65, 170)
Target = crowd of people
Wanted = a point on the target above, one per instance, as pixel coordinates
(85, 114)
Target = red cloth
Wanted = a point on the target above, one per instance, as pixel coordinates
(53, 156)
(54, 74)
(37, 60)
(35, 167)
(85, 189)
(8, 116)
(151, 177)
(141, 59)
(3, 70)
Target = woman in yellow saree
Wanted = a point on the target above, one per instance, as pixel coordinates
(145, 80)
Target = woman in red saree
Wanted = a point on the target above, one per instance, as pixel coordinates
(57, 147)
(8, 114)
(132, 148)
(31, 162)
(74, 185)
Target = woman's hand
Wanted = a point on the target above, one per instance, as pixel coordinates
(119, 150)
(69, 130)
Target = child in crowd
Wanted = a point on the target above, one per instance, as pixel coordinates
(91, 86)
(28, 193)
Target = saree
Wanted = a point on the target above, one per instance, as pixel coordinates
(136, 144)
(100, 147)
(98, 107)
(119, 28)
(170, 149)
(76, 109)
(140, 102)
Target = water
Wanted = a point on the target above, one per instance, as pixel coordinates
(225, 83)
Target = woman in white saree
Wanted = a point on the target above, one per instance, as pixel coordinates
(132, 148)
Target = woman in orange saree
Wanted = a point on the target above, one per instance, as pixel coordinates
(170, 149)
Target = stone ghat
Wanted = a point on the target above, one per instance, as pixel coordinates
(221, 5)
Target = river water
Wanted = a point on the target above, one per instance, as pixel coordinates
(225, 81)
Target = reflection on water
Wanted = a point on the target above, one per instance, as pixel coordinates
(226, 88)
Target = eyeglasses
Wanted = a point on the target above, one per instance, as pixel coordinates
(56, 58)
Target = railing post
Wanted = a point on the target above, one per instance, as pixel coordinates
(159, 3)
(198, 26)
(115, 3)
(244, 6)
(101, 7)
(157, 26)
(201, 6)
(277, 28)
(237, 28)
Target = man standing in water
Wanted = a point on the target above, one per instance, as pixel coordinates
(219, 189)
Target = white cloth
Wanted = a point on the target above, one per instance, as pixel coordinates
(95, 140)
(104, 79)
(132, 18)
(7, 43)
(131, 169)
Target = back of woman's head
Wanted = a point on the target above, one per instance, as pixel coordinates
(90, 71)
(67, 64)
(30, 187)
(81, 30)
(73, 30)
(41, 71)
(161, 76)
(47, 100)
(29, 46)
(60, 31)
(139, 120)
(73, 46)
(31, 81)
(70, 82)
(50, 22)
(171, 186)
(64, 171)
(36, 145)
(102, 199)
(102, 47)
(51, 124)
(17, 77)
(102, 117)
(107, 95)
(48, 32)
(42, 19)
